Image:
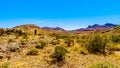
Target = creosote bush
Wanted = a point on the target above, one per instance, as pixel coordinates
(97, 44)
(11, 40)
(23, 42)
(61, 36)
(113, 47)
(19, 33)
(41, 44)
(13, 48)
(33, 51)
(55, 42)
(115, 38)
(78, 39)
(59, 53)
(2, 32)
(69, 42)
(4, 65)
(103, 65)
(25, 35)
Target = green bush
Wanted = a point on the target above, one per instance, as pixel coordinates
(97, 44)
(113, 47)
(59, 53)
(55, 42)
(33, 51)
(115, 38)
(41, 44)
(2, 31)
(13, 48)
(25, 35)
(4, 65)
(19, 33)
(69, 42)
(23, 42)
(103, 65)
(8, 32)
(78, 40)
(11, 40)
(59, 36)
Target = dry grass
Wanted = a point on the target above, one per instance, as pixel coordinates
(77, 58)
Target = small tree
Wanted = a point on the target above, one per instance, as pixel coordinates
(59, 53)
(96, 44)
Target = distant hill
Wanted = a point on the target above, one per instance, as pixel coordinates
(53, 28)
(97, 27)
(27, 27)
(115, 30)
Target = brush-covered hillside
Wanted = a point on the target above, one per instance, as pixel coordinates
(29, 46)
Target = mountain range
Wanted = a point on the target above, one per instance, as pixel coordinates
(89, 28)
(53, 28)
(97, 27)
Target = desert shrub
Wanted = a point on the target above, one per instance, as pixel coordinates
(59, 36)
(13, 48)
(115, 38)
(96, 44)
(113, 47)
(103, 65)
(23, 42)
(41, 44)
(55, 42)
(42, 37)
(19, 32)
(25, 35)
(69, 42)
(83, 51)
(59, 53)
(2, 32)
(8, 32)
(78, 39)
(33, 51)
(11, 40)
(4, 65)
(84, 36)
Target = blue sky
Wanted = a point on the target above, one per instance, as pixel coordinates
(68, 14)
